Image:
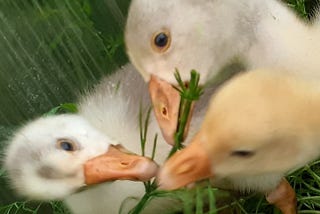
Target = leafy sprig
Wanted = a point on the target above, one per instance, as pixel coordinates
(188, 93)
(143, 125)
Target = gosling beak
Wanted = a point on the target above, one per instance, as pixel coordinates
(166, 103)
(185, 167)
(119, 164)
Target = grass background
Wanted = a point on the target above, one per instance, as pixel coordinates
(51, 50)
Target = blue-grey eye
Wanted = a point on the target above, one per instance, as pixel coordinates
(161, 41)
(66, 145)
(242, 153)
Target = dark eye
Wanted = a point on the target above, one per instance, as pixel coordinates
(242, 153)
(67, 145)
(161, 41)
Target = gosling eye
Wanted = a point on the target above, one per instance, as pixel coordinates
(242, 153)
(161, 41)
(67, 145)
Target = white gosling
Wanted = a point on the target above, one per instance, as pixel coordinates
(207, 35)
(45, 158)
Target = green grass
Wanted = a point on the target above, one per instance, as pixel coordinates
(188, 96)
(52, 50)
(25, 207)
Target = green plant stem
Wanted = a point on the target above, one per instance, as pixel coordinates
(154, 146)
(199, 201)
(188, 96)
(144, 129)
(146, 198)
(211, 197)
(185, 107)
(149, 186)
(142, 203)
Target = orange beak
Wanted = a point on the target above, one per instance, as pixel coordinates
(166, 103)
(184, 167)
(119, 164)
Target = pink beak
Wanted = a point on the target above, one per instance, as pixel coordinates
(184, 167)
(166, 103)
(119, 164)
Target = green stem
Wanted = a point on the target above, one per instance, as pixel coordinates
(211, 197)
(154, 146)
(142, 203)
(183, 119)
(188, 96)
(142, 143)
(199, 201)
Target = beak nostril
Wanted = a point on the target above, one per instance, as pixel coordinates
(124, 163)
(164, 111)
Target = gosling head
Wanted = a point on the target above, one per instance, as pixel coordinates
(184, 34)
(162, 36)
(53, 157)
(261, 123)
